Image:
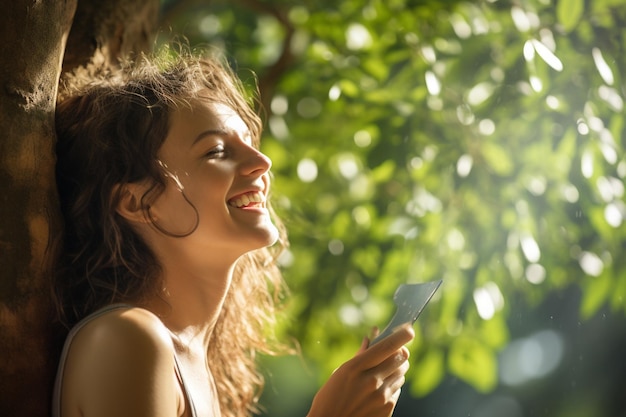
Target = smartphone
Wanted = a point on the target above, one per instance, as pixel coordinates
(410, 300)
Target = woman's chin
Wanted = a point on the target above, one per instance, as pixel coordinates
(272, 236)
(264, 238)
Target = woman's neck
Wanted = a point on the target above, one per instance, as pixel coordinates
(191, 301)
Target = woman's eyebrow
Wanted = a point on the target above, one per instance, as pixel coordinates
(210, 132)
(221, 132)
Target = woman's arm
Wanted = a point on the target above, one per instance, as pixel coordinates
(368, 385)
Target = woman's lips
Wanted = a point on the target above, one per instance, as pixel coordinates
(249, 199)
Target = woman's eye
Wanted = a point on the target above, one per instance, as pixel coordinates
(216, 152)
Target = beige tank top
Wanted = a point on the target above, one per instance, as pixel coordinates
(56, 398)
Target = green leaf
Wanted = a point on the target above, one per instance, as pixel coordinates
(276, 152)
(474, 363)
(384, 172)
(367, 260)
(618, 293)
(377, 68)
(341, 224)
(596, 291)
(348, 88)
(569, 12)
(497, 158)
(430, 372)
(495, 332)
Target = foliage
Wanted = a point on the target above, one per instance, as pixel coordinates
(477, 142)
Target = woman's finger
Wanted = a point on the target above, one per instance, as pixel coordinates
(391, 365)
(396, 380)
(382, 350)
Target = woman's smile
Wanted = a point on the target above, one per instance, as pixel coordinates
(252, 199)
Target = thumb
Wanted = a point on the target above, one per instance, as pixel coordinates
(368, 339)
(364, 345)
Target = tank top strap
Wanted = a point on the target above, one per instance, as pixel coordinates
(181, 381)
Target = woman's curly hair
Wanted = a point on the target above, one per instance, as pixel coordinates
(109, 132)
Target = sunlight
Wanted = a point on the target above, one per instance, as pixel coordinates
(531, 358)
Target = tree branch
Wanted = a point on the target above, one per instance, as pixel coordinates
(272, 75)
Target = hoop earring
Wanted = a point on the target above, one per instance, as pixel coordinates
(167, 232)
(181, 188)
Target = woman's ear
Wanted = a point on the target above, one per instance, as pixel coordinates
(129, 205)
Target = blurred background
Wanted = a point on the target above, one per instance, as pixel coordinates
(478, 142)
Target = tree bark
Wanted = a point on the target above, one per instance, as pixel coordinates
(33, 39)
(33, 35)
(106, 31)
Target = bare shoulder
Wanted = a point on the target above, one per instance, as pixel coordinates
(121, 363)
(121, 335)
(125, 328)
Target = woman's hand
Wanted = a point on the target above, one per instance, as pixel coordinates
(368, 385)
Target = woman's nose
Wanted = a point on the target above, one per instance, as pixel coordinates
(256, 163)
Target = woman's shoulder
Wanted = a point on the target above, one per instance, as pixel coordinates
(123, 327)
(124, 354)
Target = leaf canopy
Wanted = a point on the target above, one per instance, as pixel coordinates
(476, 142)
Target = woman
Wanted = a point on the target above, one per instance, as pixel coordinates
(166, 272)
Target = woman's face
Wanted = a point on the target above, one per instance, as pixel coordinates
(208, 155)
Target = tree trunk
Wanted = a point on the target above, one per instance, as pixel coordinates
(33, 38)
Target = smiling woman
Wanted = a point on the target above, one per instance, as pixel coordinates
(166, 274)
(141, 206)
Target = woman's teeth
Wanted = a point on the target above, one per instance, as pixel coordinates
(247, 199)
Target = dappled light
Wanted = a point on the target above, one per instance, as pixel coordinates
(532, 357)
(489, 300)
(307, 170)
(481, 143)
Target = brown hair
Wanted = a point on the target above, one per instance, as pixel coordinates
(109, 132)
